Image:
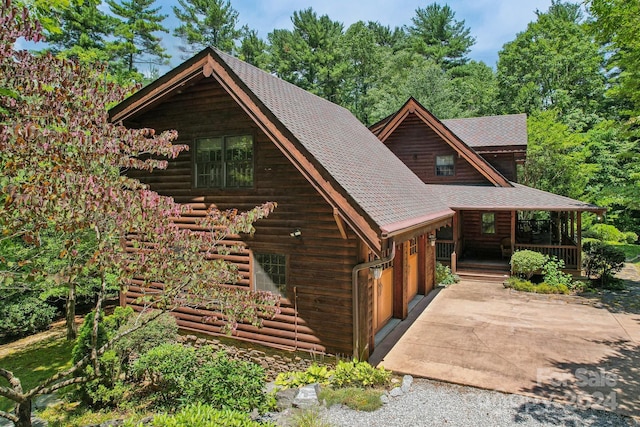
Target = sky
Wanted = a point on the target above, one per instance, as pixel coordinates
(492, 22)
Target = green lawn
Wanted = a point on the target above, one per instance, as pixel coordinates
(36, 363)
(632, 252)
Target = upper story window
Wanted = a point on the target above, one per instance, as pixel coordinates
(224, 162)
(488, 223)
(271, 273)
(445, 165)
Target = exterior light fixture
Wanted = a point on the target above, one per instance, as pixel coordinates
(296, 233)
(432, 239)
(376, 271)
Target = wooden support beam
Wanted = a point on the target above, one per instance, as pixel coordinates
(340, 223)
(423, 288)
(579, 241)
(514, 217)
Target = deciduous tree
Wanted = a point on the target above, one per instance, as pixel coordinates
(61, 162)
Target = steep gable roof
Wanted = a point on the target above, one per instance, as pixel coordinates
(387, 126)
(491, 131)
(371, 188)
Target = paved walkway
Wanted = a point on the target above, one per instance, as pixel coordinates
(563, 348)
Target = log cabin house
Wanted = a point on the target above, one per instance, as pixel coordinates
(348, 208)
(354, 240)
(471, 164)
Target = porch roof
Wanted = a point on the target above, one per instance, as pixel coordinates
(519, 197)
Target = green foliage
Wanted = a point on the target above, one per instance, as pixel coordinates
(444, 276)
(83, 344)
(355, 398)
(553, 64)
(526, 263)
(224, 383)
(313, 374)
(602, 260)
(519, 284)
(170, 369)
(135, 41)
(436, 34)
(555, 277)
(199, 415)
(160, 330)
(359, 374)
(308, 417)
(205, 23)
(606, 233)
(23, 313)
(36, 362)
(346, 373)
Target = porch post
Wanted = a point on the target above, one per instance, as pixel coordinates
(513, 232)
(579, 240)
(454, 256)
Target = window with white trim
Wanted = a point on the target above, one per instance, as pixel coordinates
(224, 162)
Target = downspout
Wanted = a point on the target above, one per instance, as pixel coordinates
(354, 291)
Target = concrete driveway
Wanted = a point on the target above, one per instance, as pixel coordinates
(567, 349)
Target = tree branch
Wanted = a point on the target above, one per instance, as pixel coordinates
(9, 416)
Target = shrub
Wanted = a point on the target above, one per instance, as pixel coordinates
(160, 330)
(169, 368)
(228, 384)
(362, 374)
(444, 276)
(630, 237)
(526, 263)
(522, 285)
(313, 374)
(605, 233)
(23, 314)
(602, 260)
(199, 415)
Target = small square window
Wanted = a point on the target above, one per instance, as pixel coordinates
(489, 223)
(445, 165)
(271, 273)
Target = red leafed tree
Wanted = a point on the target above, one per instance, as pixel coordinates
(61, 168)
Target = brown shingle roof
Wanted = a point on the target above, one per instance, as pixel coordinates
(368, 172)
(518, 197)
(491, 131)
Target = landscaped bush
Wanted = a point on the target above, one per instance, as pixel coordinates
(199, 415)
(444, 276)
(228, 384)
(346, 373)
(630, 237)
(359, 374)
(23, 314)
(352, 397)
(524, 285)
(526, 263)
(313, 374)
(170, 369)
(602, 261)
(606, 233)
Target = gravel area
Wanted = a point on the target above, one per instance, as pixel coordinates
(431, 403)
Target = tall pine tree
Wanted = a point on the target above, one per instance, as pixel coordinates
(207, 23)
(136, 42)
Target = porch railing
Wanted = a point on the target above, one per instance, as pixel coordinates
(567, 253)
(444, 248)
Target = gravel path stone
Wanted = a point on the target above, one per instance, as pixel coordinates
(431, 403)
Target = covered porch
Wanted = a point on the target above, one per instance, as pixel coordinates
(491, 223)
(483, 239)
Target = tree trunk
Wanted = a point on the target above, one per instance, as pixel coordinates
(70, 310)
(23, 412)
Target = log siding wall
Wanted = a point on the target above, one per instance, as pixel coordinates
(320, 262)
(417, 145)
